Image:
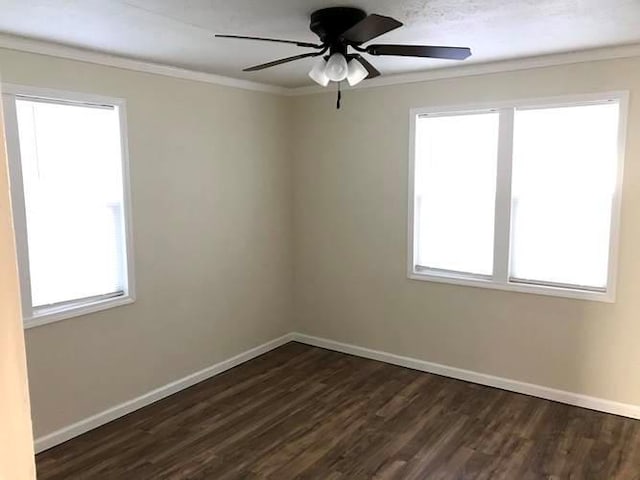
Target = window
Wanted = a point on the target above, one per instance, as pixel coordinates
(456, 212)
(522, 196)
(70, 199)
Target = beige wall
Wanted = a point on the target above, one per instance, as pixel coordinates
(220, 219)
(212, 230)
(16, 444)
(350, 231)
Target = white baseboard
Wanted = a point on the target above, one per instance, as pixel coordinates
(82, 426)
(579, 400)
(576, 399)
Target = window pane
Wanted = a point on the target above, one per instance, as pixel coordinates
(564, 175)
(72, 175)
(455, 185)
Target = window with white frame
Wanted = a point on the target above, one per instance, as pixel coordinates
(522, 196)
(68, 167)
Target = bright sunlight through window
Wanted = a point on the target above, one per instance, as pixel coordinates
(73, 208)
(564, 178)
(523, 197)
(455, 197)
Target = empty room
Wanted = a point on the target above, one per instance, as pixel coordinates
(322, 240)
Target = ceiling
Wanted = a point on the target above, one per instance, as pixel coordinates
(180, 32)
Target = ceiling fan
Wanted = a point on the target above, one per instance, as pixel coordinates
(343, 28)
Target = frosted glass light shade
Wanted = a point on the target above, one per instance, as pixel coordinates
(356, 72)
(318, 74)
(336, 68)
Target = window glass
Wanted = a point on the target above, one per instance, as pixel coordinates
(455, 186)
(73, 195)
(564, 172)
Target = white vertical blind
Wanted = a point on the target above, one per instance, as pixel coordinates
(72, 175)
(455, 190)
(564, 174)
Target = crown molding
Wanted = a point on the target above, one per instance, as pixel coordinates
(23, 44)
(606, 53)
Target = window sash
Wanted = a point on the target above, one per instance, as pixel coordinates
(62, 306)
(40, 315)
(469, 227)
(501, 278)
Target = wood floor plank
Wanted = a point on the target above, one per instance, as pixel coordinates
(301, 412)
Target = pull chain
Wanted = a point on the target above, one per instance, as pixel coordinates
(339, 96)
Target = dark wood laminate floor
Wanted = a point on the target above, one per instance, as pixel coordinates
(304, 412)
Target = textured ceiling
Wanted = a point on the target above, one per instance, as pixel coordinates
(179, 33)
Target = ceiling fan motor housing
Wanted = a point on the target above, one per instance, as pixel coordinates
(330, 23)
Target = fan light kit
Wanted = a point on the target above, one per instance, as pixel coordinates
(337, 69)
(342, 28)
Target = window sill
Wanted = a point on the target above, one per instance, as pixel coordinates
(57, 314)
(460, 279)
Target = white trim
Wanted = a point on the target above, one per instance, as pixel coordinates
(9, 95)
(12, 42)
(412, 240)
(500, 279)
(546, 290)
(127, 214)
(78, 310)
(562, 396)
(12, 142)
(484, 68)
(523, 103)
(616, 208)
(502, 220)
(22, 44)
(55, 94)
(78, 428)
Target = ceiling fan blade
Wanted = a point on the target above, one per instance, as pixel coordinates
(369, 28)
(275, 40)
(373, 71)
(427, 51)
(282, 60)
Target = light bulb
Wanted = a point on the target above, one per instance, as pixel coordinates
(318, 74)
(336, 68)
(356, 72)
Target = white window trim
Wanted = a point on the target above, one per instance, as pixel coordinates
(44, 316)
(502, 242)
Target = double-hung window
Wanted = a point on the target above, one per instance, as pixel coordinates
(70, 200)
(521, 196)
